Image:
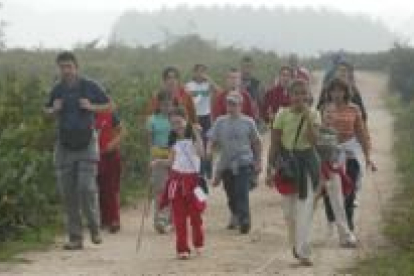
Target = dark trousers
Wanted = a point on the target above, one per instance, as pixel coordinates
(352, 170)
(206, 165)
(237, 188)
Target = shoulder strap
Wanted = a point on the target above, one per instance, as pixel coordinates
(295, 142)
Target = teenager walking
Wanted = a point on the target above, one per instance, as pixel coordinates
(294, 134)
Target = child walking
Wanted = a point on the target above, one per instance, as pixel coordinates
(158, 127)
(182, 191)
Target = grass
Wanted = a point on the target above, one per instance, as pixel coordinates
(42, 239)
(398, 258)
(29, 240)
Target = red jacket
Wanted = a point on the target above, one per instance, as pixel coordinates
(274, 99)
(220, 107)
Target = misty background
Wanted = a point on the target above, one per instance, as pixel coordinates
(364, 26)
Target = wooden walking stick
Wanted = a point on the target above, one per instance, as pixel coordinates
(145, 213)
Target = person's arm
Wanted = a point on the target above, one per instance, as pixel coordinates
(219, 108)
(311, 124)
(54, 103)
(257, 153)
(99, 102)
(249, 108)
(275, 146)
(198, 143)
(362, 135)
(215, 88)
(357, 99)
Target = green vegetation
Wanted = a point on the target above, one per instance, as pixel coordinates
(398, 259)
(29, 202)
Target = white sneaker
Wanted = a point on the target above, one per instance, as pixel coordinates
(330, 232)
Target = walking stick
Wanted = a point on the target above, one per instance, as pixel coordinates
(145, 213)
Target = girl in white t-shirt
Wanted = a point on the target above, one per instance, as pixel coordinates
(182, 190)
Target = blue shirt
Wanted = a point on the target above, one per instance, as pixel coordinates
(159, 126)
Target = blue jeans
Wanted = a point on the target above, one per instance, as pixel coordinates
(237, 190)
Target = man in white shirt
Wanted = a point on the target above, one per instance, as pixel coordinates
(203, 89)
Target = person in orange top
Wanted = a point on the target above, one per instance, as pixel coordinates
(354, 141)
(177, 93)
(110, 132)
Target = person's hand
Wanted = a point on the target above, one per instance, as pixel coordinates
(57, 105)
(197, 128)
(154, 163)
(215, 182)
(111, 147)
(86, 104)
(371, 165)
(258, 166)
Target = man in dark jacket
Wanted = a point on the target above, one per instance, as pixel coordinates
(74, 100)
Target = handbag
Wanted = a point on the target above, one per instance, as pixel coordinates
(327, 145)
(288, 163)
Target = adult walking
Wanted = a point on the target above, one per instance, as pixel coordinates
(278, 96)
(203, 90)
(75, 100)
(249, 82)
(344, 71)
(233, 83)
(346, 118)
(111, 133)
(294, 134)
(238, 140)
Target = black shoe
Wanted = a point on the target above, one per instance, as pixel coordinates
(73, 245)
(113, 229)
(96, 237)
(295, 254)
(245, 228)
(234, 223)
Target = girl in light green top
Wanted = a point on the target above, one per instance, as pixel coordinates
(297, 207)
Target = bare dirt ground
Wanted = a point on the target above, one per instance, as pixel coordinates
(264, 252)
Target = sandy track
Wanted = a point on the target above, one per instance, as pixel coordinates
(263, 252)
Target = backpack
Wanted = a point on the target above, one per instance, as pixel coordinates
(76, 139)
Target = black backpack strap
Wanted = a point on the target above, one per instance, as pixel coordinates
(302, 121)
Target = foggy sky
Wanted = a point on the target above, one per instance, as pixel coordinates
(62, 23)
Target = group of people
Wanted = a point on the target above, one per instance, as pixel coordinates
(314, 153)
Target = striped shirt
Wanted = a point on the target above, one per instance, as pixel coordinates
(347, 121)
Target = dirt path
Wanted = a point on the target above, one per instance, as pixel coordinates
(263, 252)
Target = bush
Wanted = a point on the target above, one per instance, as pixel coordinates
(28, 196)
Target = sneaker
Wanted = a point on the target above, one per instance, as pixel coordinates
(183, 256)
(96, 238)
(160, 228)
(199, 251)
(245, 228)
(330, 232)
(113, 229)
(234, 223)
(73, 245)
(350, 244)
(295, 254)
(305, 262)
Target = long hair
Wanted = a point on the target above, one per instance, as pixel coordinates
(189, 132)
(341, 85)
